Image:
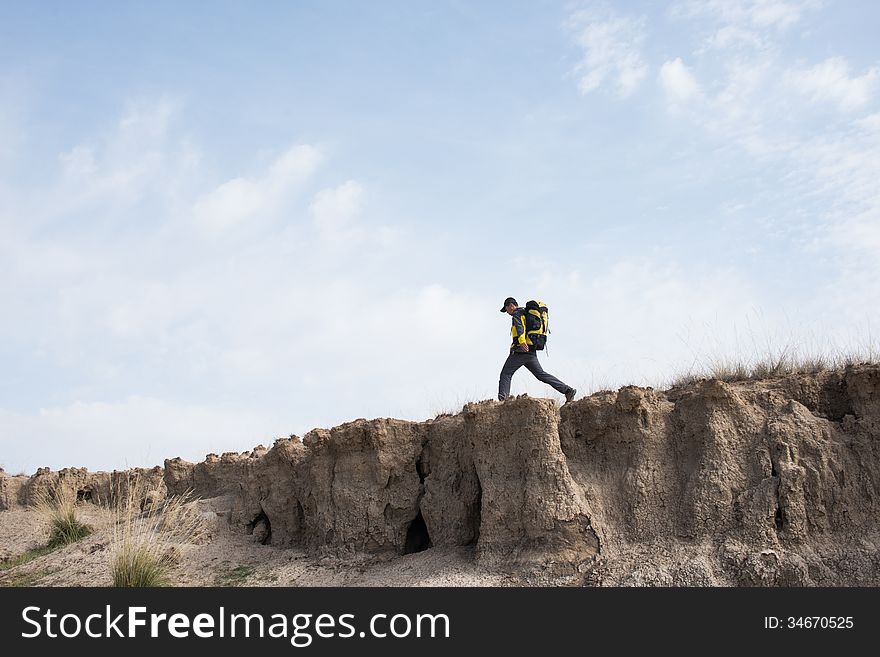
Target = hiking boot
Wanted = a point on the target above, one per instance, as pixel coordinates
(570, 394)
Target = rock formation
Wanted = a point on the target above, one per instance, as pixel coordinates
(9, 489)
(98, 487)
(494, 477)
(773, 482)
(768, 482)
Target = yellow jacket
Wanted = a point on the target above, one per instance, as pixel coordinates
(518, 330)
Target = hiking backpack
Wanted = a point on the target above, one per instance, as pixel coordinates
(537, 327)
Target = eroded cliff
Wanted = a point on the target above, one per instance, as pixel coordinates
(770, 482)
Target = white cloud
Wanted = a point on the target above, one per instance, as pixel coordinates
(745, 24)
(146, 309)
(145, 122)
(333, 210)
(763, 14)
(870, 124)
(611, 45)
(779, 14)
(679, 83)
(830, 82)
(826, 197)
(135, 432)
(122, 167)
(845, 167)
(734, 37)
(240, 200)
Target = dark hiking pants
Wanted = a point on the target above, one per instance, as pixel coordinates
(530, 359)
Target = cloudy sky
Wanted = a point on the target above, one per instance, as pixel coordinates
(222, 224)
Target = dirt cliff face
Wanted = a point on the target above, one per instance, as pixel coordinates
(9, 489)
(773, 482)
(98, 487)
(493, 477)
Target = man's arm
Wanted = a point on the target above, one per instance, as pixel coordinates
(519, 326)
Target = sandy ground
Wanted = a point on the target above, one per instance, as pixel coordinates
(223, 558)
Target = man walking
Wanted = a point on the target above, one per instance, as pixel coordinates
(522, 352)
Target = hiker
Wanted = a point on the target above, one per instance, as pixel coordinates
(524, 351)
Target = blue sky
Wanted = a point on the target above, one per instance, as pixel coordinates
(222, 224)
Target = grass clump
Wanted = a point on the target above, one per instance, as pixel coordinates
(58, 506)
(146, 533)
(26, 579)
(137, 565)
(25, 557)
(234, 576)
(66, 530)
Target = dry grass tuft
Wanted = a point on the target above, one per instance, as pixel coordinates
(58, 507)
(775, 364)
(146, 534)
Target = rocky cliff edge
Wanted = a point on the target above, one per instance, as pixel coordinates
(773, 482)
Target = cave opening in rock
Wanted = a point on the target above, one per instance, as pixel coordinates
(261, 529)
(779, 519)
(84, 496)
(417, 537)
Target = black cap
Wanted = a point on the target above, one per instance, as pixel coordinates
(507, 301)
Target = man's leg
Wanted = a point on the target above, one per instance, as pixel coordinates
(535, 368)
(512, 364)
